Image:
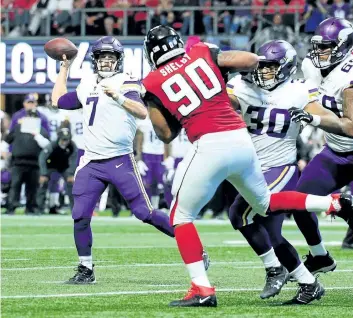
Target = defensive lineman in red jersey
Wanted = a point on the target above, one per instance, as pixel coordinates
(188, 90)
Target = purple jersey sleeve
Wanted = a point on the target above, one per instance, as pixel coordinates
(69, 101)
(134, 96)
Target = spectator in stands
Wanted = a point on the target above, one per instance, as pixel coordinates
(165, 12)
(315, 13)
(61, 16)
(224, 16)
(185, 16)
(95, 20)
(242, 17)
(59, 156)
(277, 31)
(20, 18)
(76, 16)
(340, 9)
(28, 135)
(41, 11)
(113, 23)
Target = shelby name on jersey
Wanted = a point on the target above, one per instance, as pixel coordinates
(151, 143)
(267, 118)
(331, 90)
(108, 130)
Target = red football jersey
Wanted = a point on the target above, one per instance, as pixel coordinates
(192, 89)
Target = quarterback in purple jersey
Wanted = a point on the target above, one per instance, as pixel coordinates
(111, 102)
(330, 65)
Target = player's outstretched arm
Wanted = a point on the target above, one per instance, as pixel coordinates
(241, 61)
(60, 88)
(316, 115)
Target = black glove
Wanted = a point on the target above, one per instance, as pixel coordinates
(300, 115)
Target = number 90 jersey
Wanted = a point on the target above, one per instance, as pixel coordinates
(192, 89)
(268, 121)
(331, 90)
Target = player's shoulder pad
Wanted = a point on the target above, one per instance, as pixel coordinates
(236, 85)
(131, 83)
(306, 88)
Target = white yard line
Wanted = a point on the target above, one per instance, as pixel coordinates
(29, 220)
(242, 265)
(14, 259)
(242, 243)
(148, 292)
(117, 233)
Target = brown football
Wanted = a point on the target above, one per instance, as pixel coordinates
(57, 47)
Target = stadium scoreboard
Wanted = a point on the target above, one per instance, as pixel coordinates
(28, 68)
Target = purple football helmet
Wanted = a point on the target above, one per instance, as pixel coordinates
(277, 57)
(108, 65)
(332, 41)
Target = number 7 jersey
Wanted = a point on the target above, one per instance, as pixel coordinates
(191, 87)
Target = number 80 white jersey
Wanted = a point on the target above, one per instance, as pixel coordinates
(268, 121)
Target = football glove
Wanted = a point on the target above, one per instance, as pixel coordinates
(298, 115)
(168, 163)
(142, 168)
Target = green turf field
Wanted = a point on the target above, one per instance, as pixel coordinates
(139, 271)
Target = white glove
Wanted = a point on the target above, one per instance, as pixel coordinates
(169, 176)
(142, 167)
(168, 163)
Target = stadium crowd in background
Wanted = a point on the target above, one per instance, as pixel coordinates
(32, 17)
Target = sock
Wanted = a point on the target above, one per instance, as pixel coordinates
(292, 200)
(318, 250)
(155, 201)
(83, 237)
(270, 259)
(190, 248)
(86, 261)
(302, 275)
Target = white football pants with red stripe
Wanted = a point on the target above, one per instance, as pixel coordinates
(215, 157)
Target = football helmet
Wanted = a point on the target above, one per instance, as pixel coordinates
(278, 61)
(107, 56)
(332, 41)
(162, 44)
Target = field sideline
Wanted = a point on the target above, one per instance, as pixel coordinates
(139, 271)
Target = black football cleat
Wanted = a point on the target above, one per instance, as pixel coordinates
(83, 276)
(307, 293)
(197, 296)
(206, 260)
(276, 278)
(320, 264)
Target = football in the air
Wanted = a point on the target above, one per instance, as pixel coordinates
(57, 47)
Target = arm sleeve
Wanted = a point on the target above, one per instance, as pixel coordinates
(42, 160)
(41, 141)
(72, 160)
(134, 95)
(69, 101)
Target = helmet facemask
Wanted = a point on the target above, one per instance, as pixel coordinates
(107, 63)
(324, 53)
(266, 74)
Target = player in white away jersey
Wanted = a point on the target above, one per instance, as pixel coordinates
(330, 65)
(266, 99)
(150, 157)
(55, 118)
(111, 102)
(176, 152)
